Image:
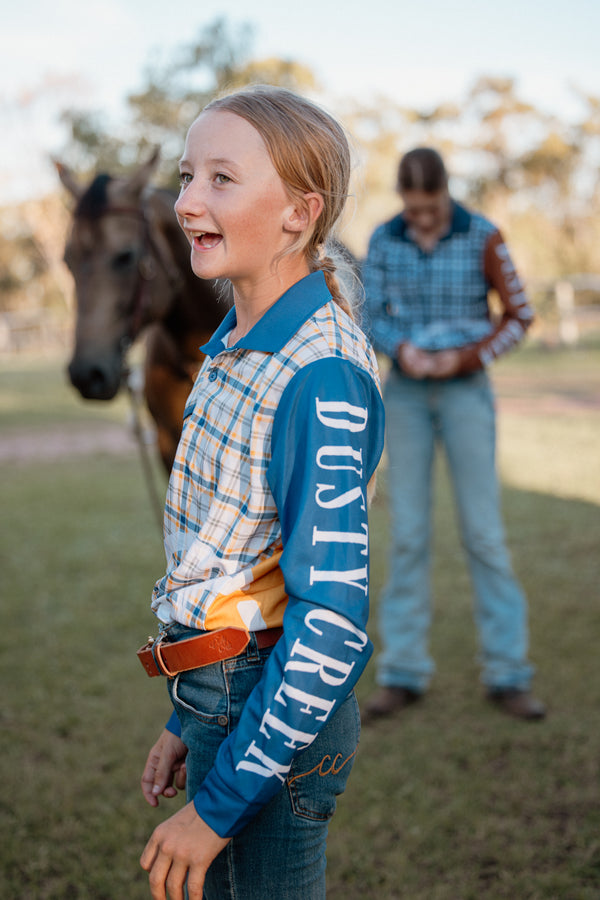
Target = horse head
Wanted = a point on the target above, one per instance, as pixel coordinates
(124, 270)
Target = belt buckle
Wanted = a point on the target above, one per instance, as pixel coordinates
(149, 644)
(151, 640)
(158, 657)
(154, 644)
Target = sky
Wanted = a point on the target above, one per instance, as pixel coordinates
(419, 54)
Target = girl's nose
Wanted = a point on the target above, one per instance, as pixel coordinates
(189, 202)
(181, 206)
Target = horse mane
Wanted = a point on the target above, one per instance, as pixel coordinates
(94, 201)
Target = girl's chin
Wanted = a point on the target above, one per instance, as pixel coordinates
(204, 267)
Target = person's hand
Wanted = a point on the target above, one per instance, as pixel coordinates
(444, 364)
(164, 772)
(182, 847)
(413, 361)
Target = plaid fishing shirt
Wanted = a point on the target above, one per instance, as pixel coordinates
(266, 524)
(439, 299)
(222, 528)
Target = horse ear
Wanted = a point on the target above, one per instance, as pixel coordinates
(68, 179)
(140, 179)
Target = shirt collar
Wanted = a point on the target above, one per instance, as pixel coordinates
(461, 222)
(280, 322)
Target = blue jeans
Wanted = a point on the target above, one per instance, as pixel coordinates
(459, 413)
(281, 852)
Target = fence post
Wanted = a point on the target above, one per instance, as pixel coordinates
(568, 329)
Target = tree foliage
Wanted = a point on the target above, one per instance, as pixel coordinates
(533, 172)
(161, 112)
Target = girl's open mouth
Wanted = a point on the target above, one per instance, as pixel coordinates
(206, 240)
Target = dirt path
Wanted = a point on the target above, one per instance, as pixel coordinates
(548, 404)
(63, 442)
(564, 396)
(71, 441)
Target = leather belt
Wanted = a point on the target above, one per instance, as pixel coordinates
(161, 657)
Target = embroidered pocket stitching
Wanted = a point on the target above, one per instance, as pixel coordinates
(333, 769)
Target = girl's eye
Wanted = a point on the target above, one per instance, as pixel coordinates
(184, 179)
(222, 179)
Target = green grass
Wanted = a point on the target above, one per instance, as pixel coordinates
(80, 555)
(37, 395)
(451, 802)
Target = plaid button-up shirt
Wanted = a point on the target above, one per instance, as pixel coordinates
(439, 299)
(266, 524)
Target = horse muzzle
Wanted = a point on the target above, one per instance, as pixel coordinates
(96, 379)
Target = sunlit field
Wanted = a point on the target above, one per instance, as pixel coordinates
(450, 801)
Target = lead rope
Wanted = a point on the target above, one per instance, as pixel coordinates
(138, 431)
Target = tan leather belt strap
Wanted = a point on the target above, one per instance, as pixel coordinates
(160, 657)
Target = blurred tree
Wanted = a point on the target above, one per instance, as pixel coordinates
(20, 262)
(32, 234)
(534, 173)
(587, 132)
(283, 72)
(31, 247)
(162, 111)
(498, 120)
(381, 132)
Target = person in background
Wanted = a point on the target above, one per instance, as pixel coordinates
(427, 276)
(263, 608)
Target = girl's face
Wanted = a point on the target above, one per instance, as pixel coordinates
(428, 214)
(233, 206)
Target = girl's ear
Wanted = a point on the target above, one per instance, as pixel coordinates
(304, 214)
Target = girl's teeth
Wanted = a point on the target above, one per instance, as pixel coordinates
(210, 240)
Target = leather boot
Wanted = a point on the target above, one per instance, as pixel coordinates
(386, 701)
(517, 702)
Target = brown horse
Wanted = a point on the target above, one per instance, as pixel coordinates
(131, 266)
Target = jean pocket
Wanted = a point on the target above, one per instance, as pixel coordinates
(202, 694)
(319, 774)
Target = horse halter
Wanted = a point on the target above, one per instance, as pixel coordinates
(152, 253)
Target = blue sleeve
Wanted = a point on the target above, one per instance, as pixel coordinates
(382, 328)
(326, 443)
(173, 725)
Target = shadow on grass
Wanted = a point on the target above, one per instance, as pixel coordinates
(452, 801)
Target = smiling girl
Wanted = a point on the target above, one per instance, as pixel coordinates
(264, 603)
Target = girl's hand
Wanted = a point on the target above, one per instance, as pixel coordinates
(164, 772)
(181, 848)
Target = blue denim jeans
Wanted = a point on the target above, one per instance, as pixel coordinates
(281, 852)
(458, 413)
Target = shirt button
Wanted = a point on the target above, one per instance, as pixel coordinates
(222, 720)
(212, 375)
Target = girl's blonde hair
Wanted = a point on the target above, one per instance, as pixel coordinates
(311, 154)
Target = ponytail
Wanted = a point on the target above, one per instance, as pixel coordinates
(339, 267)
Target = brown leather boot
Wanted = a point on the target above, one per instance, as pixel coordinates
(516, 702)
(386, 701)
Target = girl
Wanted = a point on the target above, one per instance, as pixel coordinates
(264, 604)
(428, 274)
